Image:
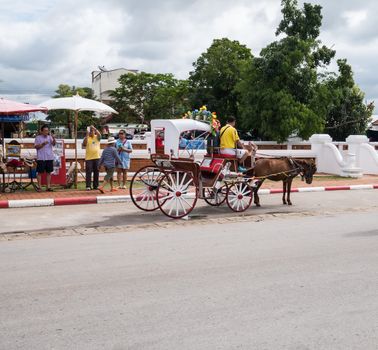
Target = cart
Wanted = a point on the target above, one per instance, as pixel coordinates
(178, 178)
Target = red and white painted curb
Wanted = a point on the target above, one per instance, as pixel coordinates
(48, 202)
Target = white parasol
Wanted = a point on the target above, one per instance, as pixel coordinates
(77, 103)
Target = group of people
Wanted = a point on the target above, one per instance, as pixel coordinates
(115, 156)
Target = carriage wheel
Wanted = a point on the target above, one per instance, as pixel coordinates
(239, 196)
(143, 188)
(177, 194)
(215, 196)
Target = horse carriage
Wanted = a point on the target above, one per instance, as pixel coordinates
(176, 180)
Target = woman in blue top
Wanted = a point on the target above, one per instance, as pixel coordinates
(124, 149)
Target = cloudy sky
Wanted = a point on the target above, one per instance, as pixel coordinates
(47, 42)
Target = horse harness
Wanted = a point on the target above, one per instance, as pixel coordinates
(297, 169)
(297, 166)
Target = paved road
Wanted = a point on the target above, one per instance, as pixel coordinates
(303, 280)
(122, 214)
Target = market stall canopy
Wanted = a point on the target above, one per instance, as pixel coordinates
(77, 103)
(13, 111)
(14, 118)
(9, 107)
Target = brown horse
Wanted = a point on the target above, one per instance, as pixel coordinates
(282, 169)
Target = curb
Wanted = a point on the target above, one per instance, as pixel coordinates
(48, 202)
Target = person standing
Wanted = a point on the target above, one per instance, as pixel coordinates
(91, 143)
(44, 143)
(109, 158)
(124, 149)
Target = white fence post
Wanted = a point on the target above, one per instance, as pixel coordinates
(330, 160)
(366, 155)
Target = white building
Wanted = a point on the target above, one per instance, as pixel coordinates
(374, 123)
(104, 81)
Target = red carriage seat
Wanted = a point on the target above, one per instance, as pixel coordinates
(211, 165)
(222, 156)
(225, 156)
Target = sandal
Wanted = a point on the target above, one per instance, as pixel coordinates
(49, 190)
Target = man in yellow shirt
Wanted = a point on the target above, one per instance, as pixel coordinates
(230, 143)
(92, 156)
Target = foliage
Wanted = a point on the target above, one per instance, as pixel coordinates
(347, 113)
(279, 89)
(216, 73)
(146, 96)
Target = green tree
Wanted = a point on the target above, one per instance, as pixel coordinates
(216, 73)
(347, 113)
(146, 96)
(279, 90)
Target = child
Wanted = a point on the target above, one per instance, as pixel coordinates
(108, 159)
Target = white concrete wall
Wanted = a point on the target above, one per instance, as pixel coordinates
(360, 158)
(366, 155)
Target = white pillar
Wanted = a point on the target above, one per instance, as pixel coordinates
(317, 146)
(330, 160)
(354, 144)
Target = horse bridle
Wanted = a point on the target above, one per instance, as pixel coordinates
(299, 167)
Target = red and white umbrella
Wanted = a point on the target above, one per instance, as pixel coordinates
(9, 107)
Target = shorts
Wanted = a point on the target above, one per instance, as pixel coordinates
(232, 152)
(109, 174)
(45, 166)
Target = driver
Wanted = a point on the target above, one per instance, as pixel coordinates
(230, 144)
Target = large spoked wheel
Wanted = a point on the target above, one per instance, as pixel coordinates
(177, 194)
(239, 196)
(215, 196)
(143, 188)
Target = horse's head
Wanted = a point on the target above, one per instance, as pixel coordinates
(308, 169)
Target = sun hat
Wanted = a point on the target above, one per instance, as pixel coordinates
(111, 139)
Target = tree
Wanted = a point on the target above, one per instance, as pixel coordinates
(65, 117)
(279, 89)
(216, 73)
(347, 113)
(145, 96)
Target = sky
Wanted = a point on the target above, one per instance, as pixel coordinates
(44, 43)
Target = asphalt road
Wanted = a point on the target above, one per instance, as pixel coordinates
(301, 277)
(122, 214)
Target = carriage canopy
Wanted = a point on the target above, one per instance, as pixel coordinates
(170, 130)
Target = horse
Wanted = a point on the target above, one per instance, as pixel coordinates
(283, 169)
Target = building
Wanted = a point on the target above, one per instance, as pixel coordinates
(104, 81)
(374, 124)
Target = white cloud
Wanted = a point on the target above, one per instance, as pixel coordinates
(354, 18)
